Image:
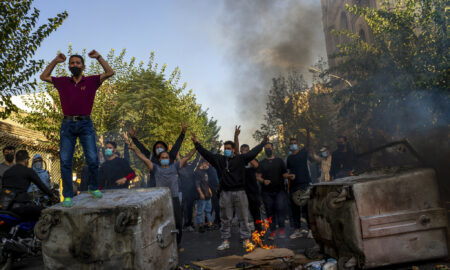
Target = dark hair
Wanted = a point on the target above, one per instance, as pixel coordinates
(342, 137)
(22, 155)
(9, 147)
(230, 143)
(268, 143)
(292, 139)
(79, 56)
(159, 155)
(114, 144)
(245, 146)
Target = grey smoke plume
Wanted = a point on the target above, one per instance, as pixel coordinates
(265, 39)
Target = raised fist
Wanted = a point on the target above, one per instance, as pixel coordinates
(60, 58)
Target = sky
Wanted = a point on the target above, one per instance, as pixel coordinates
(187, 34)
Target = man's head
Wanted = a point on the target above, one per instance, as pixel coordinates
(204, 165)
(37, 162)
(341, 143)
(228, 148)
(110, 148)
(22, 157)
(324, 151)
(164, 158)
(293, 146)
(244, 149)
(268, 149)
(76, 64)
(8, 153)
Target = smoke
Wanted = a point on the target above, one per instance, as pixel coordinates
(266, 38)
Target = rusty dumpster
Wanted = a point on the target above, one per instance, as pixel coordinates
(379, 218)
(126, 229)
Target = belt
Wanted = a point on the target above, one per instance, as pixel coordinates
(77, 117)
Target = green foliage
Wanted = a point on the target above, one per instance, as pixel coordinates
(137, 95)
(19, 40)
(402, 74)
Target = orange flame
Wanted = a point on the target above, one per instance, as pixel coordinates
(257, 235)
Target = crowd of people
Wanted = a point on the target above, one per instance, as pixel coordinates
(217, 187)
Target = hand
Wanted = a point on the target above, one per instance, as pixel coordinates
(125, 137)
(121, 181)
(213, 142)
(183, 127)
(193, 138)
(94, 54)
(267, 182)
(202, 197)
(60, 58)
(101, 141)
(131, 132)
(291, 176)
(266, 138)
(237, 131)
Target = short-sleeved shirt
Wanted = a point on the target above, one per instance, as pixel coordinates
(201, 181)
(273, 170)
(77, 98)
(167, 177)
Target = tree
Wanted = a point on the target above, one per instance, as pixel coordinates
(19, 41)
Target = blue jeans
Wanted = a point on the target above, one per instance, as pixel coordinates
(70, 131)
(203, 206)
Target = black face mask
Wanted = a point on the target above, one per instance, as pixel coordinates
(76, 71)
(9, 157)
(341, 146)
(268, 152)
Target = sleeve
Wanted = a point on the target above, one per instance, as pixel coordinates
(141, 147)
(176, 147)
(197, 180)
(58, 82)
(126, 152)
(37, 181)
(259, 169)
(283, 169)
(210, 157)
(128, 170)
(96, 80)
(251, 155)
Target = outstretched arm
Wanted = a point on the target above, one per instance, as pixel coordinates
(138, 144)
(46, 75)
(141, 156)
(251, 155)
(106, 67)
(176, 147)
(237, 131)
(210, 157)
(187, 157)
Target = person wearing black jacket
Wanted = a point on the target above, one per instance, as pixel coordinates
(115, 172)
(159, 147)
(18, 179)
(343, 160)
(231, 171)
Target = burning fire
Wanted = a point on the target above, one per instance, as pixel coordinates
(257, 235)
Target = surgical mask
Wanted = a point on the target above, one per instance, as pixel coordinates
(76, 71)
(293, 147)
(165, 162)
(324, 154)
(38, 165)
(227, 153)
(159, 150)
(268, 151)
(9, 157)
(108, 152)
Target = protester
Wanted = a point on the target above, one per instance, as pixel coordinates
(343, 160)
(158, 148)
(214, 186)
(297, 164)
(115, 172)
(325, 163)
(17, 180)
(188, 191)
(271, 174)
(38, 166)
(166, 175)
(77, 94)
(204, 203)
(231, 171)
(8, 154)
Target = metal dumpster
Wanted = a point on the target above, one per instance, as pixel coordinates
(126, 229)
(378, 218)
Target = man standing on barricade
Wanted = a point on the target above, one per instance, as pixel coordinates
(77, 94)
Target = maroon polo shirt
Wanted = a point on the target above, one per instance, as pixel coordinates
(77, 98)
